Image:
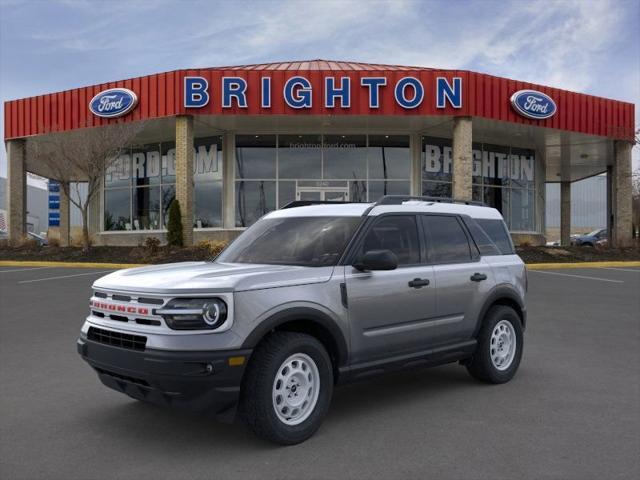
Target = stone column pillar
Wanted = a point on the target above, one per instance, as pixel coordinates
(184, 174)
(65, 218)
(16, 191)
(621, 192)
(415, 147)
(462, 158)
(565, 213)
(228, 180)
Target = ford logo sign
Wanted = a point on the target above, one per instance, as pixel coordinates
(114, 102)
(533, 104)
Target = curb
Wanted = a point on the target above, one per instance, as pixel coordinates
(530, 266)
(19, 263)
(551, 266)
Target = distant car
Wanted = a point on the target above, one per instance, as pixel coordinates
(591, 239)
(42, 241)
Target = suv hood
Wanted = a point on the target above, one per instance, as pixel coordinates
(205, 277)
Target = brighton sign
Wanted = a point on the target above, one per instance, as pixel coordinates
(113, 103)
(533, 104)
(408, 92)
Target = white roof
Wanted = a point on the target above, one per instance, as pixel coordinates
(357, 209)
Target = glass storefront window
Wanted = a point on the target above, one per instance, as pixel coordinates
(253, 200)
(498, 174)
(117, 205)
(389, 157)
(344, 156)
(300, 156)
(256, 156)
(146, 208)
(151, 171)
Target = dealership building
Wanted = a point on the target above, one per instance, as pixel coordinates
(233, 143)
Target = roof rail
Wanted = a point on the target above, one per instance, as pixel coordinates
(399, 199)
(306, 203)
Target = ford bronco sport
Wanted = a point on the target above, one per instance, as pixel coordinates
(310, 296)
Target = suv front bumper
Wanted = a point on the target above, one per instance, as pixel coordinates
(197, 381)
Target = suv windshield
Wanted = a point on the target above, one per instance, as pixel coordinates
(303, 241)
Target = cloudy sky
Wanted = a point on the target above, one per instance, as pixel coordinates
(583, 45)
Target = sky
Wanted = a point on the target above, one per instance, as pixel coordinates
(581, 45)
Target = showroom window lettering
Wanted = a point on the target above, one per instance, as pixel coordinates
(140, 186)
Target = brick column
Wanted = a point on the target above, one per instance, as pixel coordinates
(621, 185)
(228, 180)
(184, 174)
(565, 213)
(462, 158)
(65, 219)
(16, 191)
(415, 147)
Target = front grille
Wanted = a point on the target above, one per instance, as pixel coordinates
(117, 339)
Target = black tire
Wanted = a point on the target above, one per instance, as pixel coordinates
(256, 401)
(480, 366)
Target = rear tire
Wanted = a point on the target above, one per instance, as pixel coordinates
(499, 349)
(287, 388)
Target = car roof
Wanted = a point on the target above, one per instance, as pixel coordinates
(371, 209)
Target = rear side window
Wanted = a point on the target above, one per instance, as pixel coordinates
(397, 233)
(447, 241)
(482, 240)
(498, 233)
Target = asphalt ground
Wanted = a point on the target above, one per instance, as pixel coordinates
(571, 412)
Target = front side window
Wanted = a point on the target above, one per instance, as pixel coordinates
(397, 233)
(447, 241)
(497, 232)
(302, 241)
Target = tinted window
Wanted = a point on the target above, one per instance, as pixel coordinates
(304, 241)
(497, 232)
(397, 233)
(481, 239)
(448, 241)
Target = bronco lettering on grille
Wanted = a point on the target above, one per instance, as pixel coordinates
(111, 307)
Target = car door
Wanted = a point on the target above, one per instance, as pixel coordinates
(389, 310)
(462, 279)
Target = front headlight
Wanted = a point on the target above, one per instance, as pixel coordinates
(194, 313)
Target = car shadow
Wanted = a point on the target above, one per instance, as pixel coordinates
(367, 398)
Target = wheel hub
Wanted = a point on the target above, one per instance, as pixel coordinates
(295, 389)
(503, 345)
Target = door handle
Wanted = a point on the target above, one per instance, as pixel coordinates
(478, 277)
(419, 283)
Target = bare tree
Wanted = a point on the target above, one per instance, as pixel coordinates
(82, 156)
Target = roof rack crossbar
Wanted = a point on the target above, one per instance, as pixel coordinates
(306, 203)
(399, 199)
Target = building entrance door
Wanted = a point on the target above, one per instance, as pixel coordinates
(333, 194)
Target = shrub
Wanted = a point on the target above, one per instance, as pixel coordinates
(152, 245)
(174, 226)
(54, 242)
(211, 247)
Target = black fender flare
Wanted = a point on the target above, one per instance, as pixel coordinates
(498, 293)
(308, 314)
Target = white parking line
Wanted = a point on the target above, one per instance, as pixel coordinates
(65, 276)
(622, 269)
(24, 269)
(578, 276)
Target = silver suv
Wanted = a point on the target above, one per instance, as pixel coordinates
(310, 296)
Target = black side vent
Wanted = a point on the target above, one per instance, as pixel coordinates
(117, 339)
(100, 294)
(150, 301)
(146, 321)
(121, 298)
(97, 314)
(118, 318)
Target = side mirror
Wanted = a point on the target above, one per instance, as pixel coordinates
(377, 260)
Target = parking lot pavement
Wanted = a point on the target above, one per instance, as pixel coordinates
(572, 411)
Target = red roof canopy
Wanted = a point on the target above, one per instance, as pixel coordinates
(161, 95)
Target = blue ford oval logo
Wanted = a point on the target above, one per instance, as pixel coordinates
(533, 104)
(114, 102)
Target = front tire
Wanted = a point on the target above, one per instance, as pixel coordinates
(287, 388)
(499, 349)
